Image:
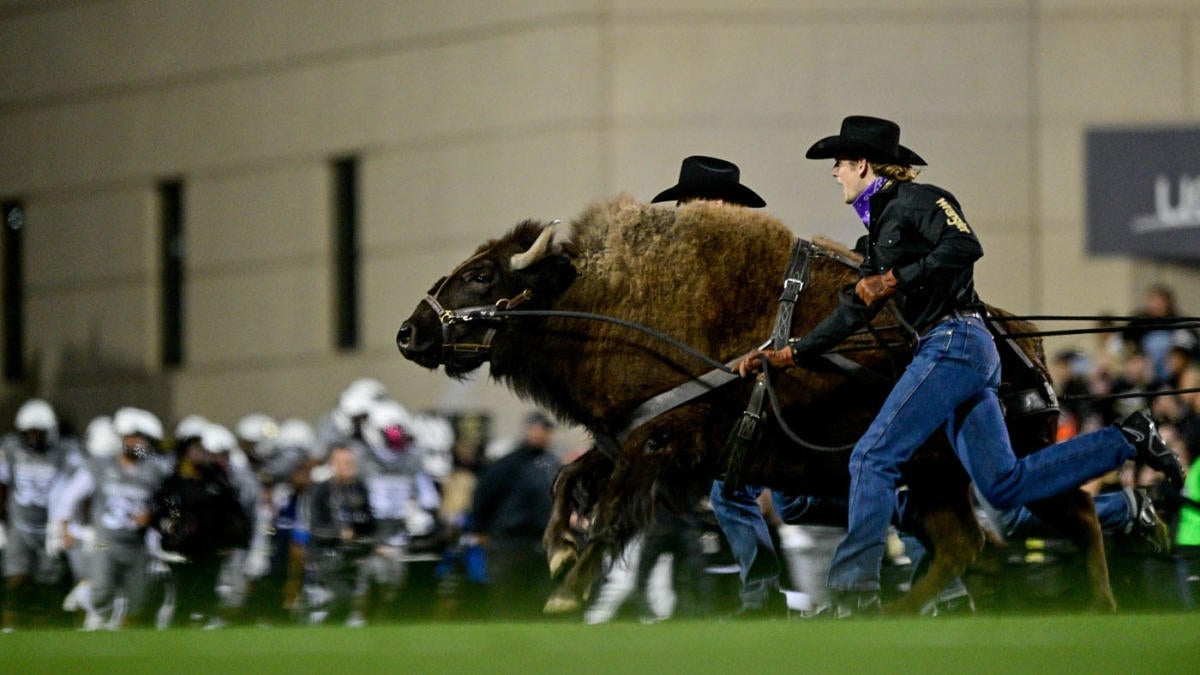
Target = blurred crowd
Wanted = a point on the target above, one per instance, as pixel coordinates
(130, 523)
(1151, 361)
(375, 513)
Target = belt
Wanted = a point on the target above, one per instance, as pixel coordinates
(953, 314)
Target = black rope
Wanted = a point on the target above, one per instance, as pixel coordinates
(1156, 324)
(658, 335)
(1148, 321)
(787, 430)
(866, 347)
(686, 349)
(1087, 331)
(1130, 394)
(1180, 322)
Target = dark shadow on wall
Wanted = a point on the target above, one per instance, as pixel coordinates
(82, 382)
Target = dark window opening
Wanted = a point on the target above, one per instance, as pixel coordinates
(345, 222)
(170, 204)
(14, 290)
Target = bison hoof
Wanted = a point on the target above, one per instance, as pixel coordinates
(560, 605)
(561, 562)
(1104, 604)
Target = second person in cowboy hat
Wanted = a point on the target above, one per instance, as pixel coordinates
(739, 515)
(920, 251)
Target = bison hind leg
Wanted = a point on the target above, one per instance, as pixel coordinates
(1073, 513)
(955, 540)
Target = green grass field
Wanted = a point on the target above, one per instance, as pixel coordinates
(1164, 643)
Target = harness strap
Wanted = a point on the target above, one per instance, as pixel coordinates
(1039, 399)
(609, 446)
(746, 433)
(794, 281)
(673, 398)
(744, 438)
(821, 252)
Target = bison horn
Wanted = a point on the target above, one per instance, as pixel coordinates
(535, 253)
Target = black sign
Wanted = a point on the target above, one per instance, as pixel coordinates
(1143, 192)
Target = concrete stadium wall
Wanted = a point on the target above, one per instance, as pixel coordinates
(469, 116)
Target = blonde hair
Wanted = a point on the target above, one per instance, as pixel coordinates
(896, 172)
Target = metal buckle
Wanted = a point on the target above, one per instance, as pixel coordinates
(792, 288)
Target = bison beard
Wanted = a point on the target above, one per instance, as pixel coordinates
(708, 275)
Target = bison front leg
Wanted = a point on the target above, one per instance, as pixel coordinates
(575, 587)
(955, 540)
(603, 537)
(622, 510)
(1073, 513)
(575, 491)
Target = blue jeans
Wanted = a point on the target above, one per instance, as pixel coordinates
(951, 385)
(1112, 509)
(749, 538)
(809, 510)
(745, 529)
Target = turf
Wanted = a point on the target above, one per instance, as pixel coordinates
(1166, 643)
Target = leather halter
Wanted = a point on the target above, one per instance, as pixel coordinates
(476, 314)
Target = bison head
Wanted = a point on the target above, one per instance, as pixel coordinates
(453, 325)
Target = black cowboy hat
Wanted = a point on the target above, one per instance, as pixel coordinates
(710, 178)
(871, 137)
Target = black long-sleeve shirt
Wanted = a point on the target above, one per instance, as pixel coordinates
(199, 516)
(919, 233)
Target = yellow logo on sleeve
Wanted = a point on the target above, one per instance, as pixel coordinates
(952, 216)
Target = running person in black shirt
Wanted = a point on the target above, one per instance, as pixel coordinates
(920, 251)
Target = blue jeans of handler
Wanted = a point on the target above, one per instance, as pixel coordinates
(951, 384)
(745, 529)
(742, 522)
(1112, 510)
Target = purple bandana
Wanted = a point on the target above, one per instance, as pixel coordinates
(862, 203)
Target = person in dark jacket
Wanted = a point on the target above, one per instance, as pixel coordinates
(919, 252)
(342, 530)
(199, 520)
(511, 506)
(1156, 329)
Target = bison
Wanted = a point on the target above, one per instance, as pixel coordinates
(708, 275)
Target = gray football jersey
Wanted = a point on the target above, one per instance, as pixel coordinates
(393, 481)
(120, 494)
(30, 477)
(389, 480)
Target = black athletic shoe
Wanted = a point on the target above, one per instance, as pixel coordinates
(1145, 527)
(1140, 430)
